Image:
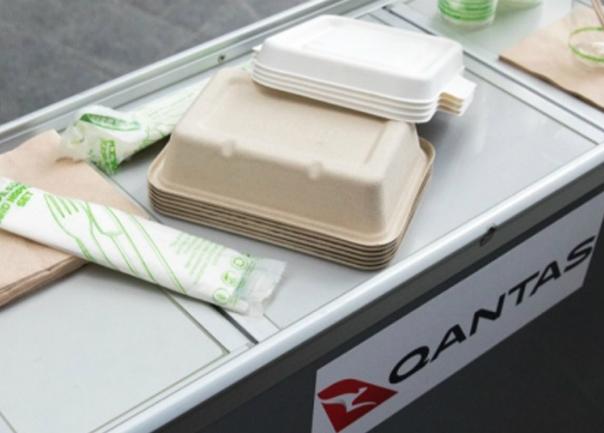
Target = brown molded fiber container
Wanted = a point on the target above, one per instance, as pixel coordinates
(269, 164)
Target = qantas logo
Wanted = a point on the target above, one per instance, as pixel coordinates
(349, 399)
(346, 401)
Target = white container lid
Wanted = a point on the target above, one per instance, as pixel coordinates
(366, 56)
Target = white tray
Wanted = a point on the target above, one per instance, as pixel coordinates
(413, 115)
(366, 56)
(420, 116)
(458, 92)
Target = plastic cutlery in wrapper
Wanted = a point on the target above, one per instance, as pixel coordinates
(144, 249)
(107, 137)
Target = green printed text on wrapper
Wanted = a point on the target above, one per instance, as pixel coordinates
(144, 249)
(13, 194)
(108, 162)
(111, 122)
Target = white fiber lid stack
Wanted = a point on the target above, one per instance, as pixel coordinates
(366, 57)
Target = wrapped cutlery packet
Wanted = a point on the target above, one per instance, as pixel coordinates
(27, 265)
(144, 249)
(108, 137)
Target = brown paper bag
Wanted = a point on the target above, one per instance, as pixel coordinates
(26, 265)
(545, 54)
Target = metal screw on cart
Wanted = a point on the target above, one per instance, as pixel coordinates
(486, 238)
(221, 58)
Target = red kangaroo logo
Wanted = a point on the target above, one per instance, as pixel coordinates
(348, 400)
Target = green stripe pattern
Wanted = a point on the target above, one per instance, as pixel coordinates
(468, 11)
(592, 34)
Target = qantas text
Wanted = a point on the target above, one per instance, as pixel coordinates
(420, 357)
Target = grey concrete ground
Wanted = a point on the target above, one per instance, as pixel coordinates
(51, 49)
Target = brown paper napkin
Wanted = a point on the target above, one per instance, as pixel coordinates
(26, 265)
(545, 54)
